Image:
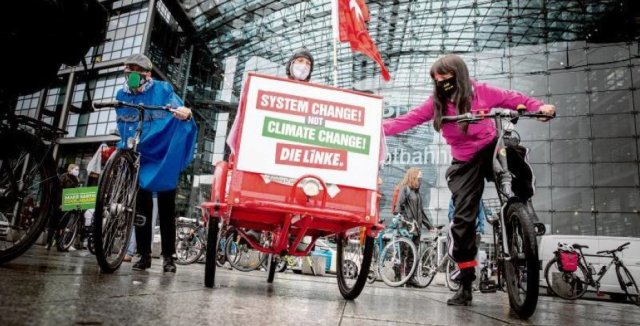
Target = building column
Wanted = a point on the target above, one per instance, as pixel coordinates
(64, 114)
(147, 28)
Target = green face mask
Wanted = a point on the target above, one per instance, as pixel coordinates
(133, 81)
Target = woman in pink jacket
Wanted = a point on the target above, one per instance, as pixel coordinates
(471, 148)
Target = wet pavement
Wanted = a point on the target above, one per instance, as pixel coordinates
(52, 288)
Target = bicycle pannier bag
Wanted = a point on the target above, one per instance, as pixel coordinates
(568, 261)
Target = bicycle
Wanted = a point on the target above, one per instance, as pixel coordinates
(515, 241)
(73, 222)
(190, 240)
(431, 262)
(573, 285)
(395, 260)
(29, 187)
(115, 212)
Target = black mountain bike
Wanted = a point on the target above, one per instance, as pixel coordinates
(573, 285)
(29, 186)
(515, 243)
(115, 213)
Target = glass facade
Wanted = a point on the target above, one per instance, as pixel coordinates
(586, 161)
(567, 53)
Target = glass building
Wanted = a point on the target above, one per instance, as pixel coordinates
(582, 56)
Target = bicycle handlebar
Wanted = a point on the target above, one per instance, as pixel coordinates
(116, 104)
(501, 113)
(622, 247)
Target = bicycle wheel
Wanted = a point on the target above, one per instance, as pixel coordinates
(426, 269)
(272, 262)
(212, 244)
(522, 273)
(628, 284)
(115, 210)
(241, 256)
(567, 285)
(373, 272)
(450, 271)
(189, 247)
(397, 261)
(70, 230)
(28, 192)
(221, 257)
(353, 262)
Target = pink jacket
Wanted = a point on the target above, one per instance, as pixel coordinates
(464, 146)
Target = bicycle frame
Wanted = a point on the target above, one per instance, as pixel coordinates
(590, 276)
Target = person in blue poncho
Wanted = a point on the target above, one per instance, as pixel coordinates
(166, 148)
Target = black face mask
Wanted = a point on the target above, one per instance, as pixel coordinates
(447, 86)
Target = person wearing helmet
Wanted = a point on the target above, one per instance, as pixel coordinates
(300, 65)
(166, 148)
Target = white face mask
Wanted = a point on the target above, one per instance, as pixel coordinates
(300, 71)
(75, 172)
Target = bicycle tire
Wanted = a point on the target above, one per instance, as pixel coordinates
(519, 224)
(629, 285)
(271, 267)
(44, 197)
(450, 269)
(395, 248)
(212, 246)
(69, 232)
(115, 210)
(426, 269)
(350, 249)
(548, 276)
(239, 255)
(184, 244)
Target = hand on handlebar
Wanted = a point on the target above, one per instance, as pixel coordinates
(549, 110)
(181, 113)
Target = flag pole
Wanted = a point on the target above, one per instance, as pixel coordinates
(334, 24)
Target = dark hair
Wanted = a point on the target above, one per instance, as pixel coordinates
(462, 97)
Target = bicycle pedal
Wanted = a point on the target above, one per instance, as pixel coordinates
(139, 220)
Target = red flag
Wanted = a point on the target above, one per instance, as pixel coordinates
(352, 15)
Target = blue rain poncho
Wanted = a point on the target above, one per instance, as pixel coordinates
(166, 145)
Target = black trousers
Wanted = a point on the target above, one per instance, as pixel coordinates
(166, 216)
(466, 182)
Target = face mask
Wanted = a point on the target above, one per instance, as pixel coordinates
(75, 172)
(135, 80)
(300, 71)
(447, 86)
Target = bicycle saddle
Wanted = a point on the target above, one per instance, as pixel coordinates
(579, 246)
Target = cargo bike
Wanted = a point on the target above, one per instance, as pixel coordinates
(304, 165)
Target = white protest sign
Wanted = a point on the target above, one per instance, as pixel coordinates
(291, 129)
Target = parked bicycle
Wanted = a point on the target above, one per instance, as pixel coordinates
(29, 186)
(115, 212)
(190, 240)
(394, 262)
(569, 275)
(431, 262)
(515, 241)
(72, 226)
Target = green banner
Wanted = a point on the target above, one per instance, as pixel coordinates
(79, 198)
(316, 135)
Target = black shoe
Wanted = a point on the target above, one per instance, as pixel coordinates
(169, 265)
(463, 297)
(143, 263)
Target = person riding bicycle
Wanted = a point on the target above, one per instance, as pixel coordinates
(67, 180)
(472, 148)
(409, 205)
(166, 148)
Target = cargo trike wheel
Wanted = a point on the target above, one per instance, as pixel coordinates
(210, 261)
(353, 262)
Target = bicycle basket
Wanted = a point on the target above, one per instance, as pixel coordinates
(567, 261)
